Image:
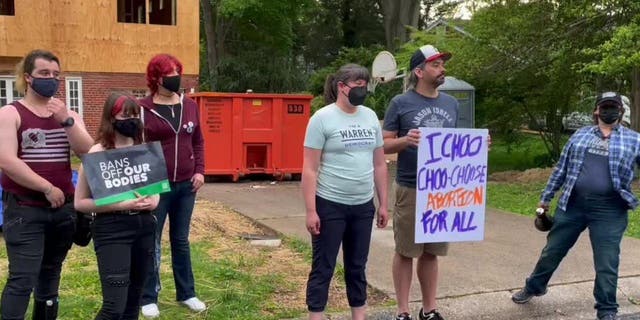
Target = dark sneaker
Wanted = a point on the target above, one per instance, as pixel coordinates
(404, 316)
(431, 315)
(523, 296)
(608, 316)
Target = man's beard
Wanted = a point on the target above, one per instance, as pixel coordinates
(438, 81)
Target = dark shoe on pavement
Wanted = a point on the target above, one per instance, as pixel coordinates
(404, 316)
(523, 296)
(608, 316)
(431, 315)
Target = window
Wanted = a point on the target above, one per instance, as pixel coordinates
(74, 94)
(132, 11)
(8, 91)
(135, 11)
(16, 95)
(162, 12)
(7, 8)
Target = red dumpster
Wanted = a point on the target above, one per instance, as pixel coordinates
(248, 133)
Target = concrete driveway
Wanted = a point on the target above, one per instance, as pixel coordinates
(477, 278)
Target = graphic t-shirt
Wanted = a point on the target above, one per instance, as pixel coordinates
(595, 178)
(347, 142)
(412, 110)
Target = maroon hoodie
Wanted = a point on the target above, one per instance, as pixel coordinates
(183, 150)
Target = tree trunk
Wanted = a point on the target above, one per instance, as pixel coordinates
(210, 34)
(635, 99)
(397, 15)
(348, 32)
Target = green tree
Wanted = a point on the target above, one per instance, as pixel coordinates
(618, 58)
(524, 57)
(252, 44)
(330, 25)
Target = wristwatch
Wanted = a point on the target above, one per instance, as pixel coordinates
(68, 122)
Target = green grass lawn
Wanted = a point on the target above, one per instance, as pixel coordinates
(524, 198)
(228, 284)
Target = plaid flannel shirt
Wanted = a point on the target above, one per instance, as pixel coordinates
(624, 151)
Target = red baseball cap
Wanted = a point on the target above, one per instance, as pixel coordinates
(427, 53)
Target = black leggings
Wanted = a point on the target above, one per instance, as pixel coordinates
(124, 246)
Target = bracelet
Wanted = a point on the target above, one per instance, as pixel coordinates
(46, 193)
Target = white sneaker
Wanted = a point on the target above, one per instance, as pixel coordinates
(194, 304)
(150, 310)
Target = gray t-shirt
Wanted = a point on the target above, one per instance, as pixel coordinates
(347, 141)
(412, 110)
(595, 177)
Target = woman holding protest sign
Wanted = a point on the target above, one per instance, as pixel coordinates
(123, 233)
(174, 120)
(343, 164)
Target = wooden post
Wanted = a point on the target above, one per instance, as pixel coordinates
(147, 11)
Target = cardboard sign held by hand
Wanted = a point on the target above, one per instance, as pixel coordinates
(126, 173)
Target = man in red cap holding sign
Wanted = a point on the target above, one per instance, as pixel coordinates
(421, 106)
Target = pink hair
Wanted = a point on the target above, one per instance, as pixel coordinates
(160, 66)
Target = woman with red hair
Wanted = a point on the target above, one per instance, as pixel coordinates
(174, 120)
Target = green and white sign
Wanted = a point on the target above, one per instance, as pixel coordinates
(118, 174)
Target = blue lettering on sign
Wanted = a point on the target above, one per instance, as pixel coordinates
(432, 179)
(454, 146)
(462, 223)
(440, 178)
(433, 158)
(462, 175)
(432, 223)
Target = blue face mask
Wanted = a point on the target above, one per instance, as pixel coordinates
(46, 87)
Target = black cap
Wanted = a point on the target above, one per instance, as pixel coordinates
(609, 96)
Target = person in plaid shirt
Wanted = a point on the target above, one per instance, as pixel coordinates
(595, 171)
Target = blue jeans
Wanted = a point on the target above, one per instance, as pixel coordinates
(124, 246)
(178, 205)
(37, 240)
(606, 218)
(351, 226)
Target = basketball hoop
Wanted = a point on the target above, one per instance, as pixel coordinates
(371, 86)
(383, 70)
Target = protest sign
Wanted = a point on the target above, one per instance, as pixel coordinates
(451, 185)
(118, 174)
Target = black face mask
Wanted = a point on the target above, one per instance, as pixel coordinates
(171, 83)
(46, 87)
(609, 115)
(128, 127)
(357, 95)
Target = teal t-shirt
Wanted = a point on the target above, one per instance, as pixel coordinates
(347, 142)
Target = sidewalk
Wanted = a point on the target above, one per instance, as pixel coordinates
(477, 278)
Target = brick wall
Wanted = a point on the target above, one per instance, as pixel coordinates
(96, 87)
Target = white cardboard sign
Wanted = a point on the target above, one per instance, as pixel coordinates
(451, 185)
